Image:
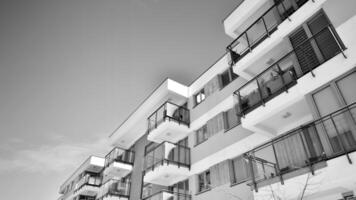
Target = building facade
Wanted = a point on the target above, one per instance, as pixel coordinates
(274, 118)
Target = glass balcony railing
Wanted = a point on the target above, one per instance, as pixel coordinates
(262, 28)
(119, 155)
(323, 139)
(285, 72)
(88, 180)
(116, 188)
(169, 195)
(167, 154)
(83, 197)
(168, 112)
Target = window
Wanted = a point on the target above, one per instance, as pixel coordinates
(240, 170)
(147, 190)
(149, 147)
(204, 181)
(201, 134)
(199, 97)
(331, 98)
(183, 142)
(323, 45)
(231, 119)
(227, 77)
(181, 187)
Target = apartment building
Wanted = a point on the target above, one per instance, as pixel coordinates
(273, 118)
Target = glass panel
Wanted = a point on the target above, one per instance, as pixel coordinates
(241, 169)
(256, 33)
(250, 97)
(326, 102)
(264, 163)
(291, 154)
(339, 128)
(313, 144)
(347, 90)
(285, 8)
(240, 46)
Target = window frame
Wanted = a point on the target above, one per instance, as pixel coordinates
(201, 95)
(204, 132)
(231, 76)
(205, 176)
(233, 170)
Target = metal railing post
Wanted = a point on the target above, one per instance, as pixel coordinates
(248, 42)
(337, 41)
(264, 23)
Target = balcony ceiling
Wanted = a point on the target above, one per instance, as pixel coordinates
(278, 121)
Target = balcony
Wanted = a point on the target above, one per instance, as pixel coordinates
(167, 164)
(88, 185)
(169, 122)
(168, 195)
(261, 28)
(114, 189)
(283, 76)
(304, 149)
(118, 163)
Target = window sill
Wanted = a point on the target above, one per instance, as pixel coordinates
(203, 191)
(229, 129)
(238, 183)
(200, 143)
(197, 104)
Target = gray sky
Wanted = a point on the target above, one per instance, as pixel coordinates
(72, 70)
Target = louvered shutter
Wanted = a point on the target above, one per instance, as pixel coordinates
(323, 37)
(304, 51)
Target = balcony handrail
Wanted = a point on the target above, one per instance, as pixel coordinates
(167, 191)
(329, 27)
(125, 151)
(236, 56)
(162, 143)
(168, 102)
(255, 22)
(228, 14)
(275, 5)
